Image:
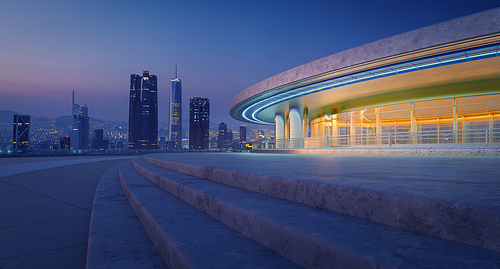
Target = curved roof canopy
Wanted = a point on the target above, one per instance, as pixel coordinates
(454, 58)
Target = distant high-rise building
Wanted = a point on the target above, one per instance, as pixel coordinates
(65, 142)
(262, 135)
(222, 137)
(243, 133)
(199, 123)
(143, 112)
(162, 144)
(81, 126)
(98, 139)
(134, 112)
(150, 110)
(241, 145)
(175, 122)
(21, 132)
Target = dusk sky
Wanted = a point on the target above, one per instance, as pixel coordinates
(49, 48)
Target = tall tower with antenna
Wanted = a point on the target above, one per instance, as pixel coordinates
(175, 120)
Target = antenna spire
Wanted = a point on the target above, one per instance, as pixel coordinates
(175, 70)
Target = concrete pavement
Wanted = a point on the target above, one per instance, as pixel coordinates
(45, 208)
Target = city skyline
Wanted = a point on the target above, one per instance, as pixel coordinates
(221, 47)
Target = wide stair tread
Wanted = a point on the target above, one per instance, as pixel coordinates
(313, 237)
(189, 238)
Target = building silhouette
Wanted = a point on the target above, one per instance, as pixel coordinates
(241, 143)
(175, 121)
(243, 133)
(143, 112)
(199, 123)
(229, 137)
(97, 138)
(81, 126)
(65, 142)
(21, 132)
(222, 138)
(98, 141)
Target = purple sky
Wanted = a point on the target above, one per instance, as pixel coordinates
(49, 48)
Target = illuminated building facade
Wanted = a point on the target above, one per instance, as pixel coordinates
(199, 123)
(143, 112)
(175, 122)
(21, 132)
(435, 85)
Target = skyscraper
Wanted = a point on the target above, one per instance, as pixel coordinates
(243, 138)
(243, 133)
(143, 112)
(222, 138)
(149, 111)
(98, 139)
(175, 122)
(21, 132)
(65, 142)
(199, 123)
(134, 112)
(81, 126)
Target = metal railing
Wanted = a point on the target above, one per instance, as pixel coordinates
(443, 138)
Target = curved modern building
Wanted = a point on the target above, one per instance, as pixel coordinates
(437, 84)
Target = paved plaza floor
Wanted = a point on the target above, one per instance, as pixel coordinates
(45, 209)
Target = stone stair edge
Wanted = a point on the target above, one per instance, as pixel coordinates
(161, 237)
(115, 234)
(449, 220)
(149, 226)
(192, 197)
(213, 207)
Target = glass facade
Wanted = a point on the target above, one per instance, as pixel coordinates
(474, 119)
(149, 139)
(143, 112)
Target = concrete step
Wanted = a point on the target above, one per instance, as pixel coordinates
(314, 237)
(188, 238)
(116, 237)
(476, 225)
